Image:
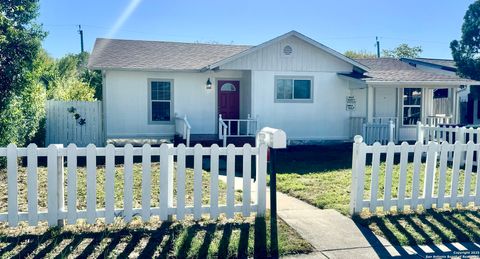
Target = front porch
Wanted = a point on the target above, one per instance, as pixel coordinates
(399, 109)
(230, 131)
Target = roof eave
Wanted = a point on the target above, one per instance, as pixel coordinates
(360, 82)
(419, 83)
(145, 69)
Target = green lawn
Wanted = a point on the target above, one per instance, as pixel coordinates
(321, 176)
(237, 237)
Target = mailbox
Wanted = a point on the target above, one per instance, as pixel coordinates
(274, 138)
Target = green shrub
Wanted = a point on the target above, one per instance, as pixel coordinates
(21, 119)
(69, 89)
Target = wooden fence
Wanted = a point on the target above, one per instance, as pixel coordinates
(74, 122)
(434, 191)
(57, 212)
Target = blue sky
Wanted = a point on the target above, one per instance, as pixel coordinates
(339, 24)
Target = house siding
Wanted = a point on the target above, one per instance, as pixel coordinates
(304, 57)
(126, 102)
(325, 118)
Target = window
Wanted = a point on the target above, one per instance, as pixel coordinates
(160, 101)
(440, 93)
(293, 89)
(412, 105)
(228, 87)
(287, 50)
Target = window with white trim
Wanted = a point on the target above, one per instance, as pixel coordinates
(412, 105)
(293, 89)
(160, 101)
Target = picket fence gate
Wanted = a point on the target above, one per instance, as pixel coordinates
(432, 193)
(56, 212)
(76, 122)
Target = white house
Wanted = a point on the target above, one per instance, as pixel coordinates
(291, 82)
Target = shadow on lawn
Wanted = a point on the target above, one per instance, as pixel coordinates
(427, 228)
(164, 242)
(314, 159)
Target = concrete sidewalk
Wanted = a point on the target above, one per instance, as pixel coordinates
(334, 235)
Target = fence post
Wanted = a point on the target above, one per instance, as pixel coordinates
(170, 181)
(60, 185)
(461, 135)
(462, 138)
(420, 132)
(261, 171)
(354, 207)
(391, 131)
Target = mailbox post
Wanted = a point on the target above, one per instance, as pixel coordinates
(275, 139)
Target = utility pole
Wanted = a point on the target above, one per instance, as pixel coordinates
(80, 31)
(378, 47)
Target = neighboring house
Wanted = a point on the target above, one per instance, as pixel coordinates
(469, 98)
(290, 82)
(442, 66)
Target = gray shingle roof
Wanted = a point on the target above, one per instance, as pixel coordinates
(440, 62)
(394, 70)
(158, 55)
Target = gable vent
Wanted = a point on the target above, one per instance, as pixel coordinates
(287, 50)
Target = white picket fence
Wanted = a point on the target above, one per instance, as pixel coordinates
(451, 134)
(74, 122)
(432, 192)
(56, 212)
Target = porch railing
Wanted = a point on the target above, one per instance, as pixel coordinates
(438, 119)
(356, 124)
(379, 132)
(384, 120)
(222, 130)
(183, 128)
(236, 127)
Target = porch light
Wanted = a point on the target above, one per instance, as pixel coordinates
(209, 84)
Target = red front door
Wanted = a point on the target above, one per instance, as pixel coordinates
(229, 99)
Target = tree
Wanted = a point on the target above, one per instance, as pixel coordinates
(403, 51)
(466, 52)
(20, 40)
(68, 78)
(359, 54)
(91, 77)
(22, 98)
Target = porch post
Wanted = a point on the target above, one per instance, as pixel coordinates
(370, 103)
(455, 108)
